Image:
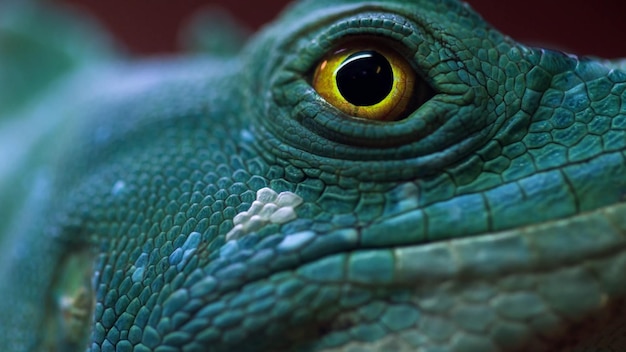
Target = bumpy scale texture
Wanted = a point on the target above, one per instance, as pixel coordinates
(220, 204)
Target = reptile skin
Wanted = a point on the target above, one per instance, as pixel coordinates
(219, 203)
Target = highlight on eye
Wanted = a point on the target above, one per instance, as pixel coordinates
(366, 79)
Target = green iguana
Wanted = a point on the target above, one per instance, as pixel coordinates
(360, 176)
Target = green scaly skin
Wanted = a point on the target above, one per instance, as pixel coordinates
(490, 219)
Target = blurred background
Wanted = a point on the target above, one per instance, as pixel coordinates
(580, 26)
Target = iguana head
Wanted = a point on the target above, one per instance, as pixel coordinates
(385, 175)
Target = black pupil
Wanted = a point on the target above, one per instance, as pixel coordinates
(365, 78)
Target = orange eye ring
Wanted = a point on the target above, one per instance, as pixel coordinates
(366, 79)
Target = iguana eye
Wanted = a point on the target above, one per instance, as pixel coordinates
(366, 79)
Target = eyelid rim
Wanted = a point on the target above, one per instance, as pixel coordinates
(398, 34)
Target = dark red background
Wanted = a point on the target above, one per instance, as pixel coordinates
(580, 26)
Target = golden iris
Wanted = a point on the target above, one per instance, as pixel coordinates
(366, 79)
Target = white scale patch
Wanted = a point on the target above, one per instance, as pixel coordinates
(269, 207)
